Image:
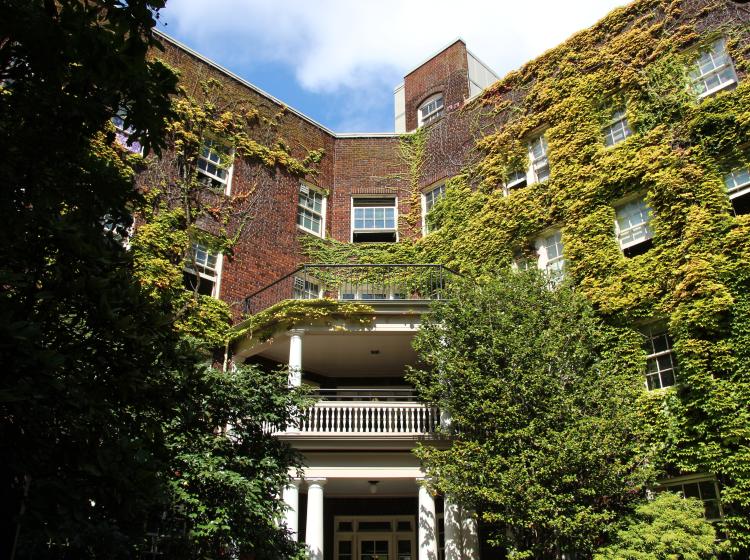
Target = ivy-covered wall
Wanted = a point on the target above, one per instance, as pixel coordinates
(695, 279)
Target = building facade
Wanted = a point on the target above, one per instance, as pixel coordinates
(533, 202)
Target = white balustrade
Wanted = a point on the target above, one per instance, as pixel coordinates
(368, 418)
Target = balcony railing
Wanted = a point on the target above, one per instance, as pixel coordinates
(355, 282)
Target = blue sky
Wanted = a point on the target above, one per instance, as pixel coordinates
(338, 61)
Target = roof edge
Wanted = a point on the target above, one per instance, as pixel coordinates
(243, 81)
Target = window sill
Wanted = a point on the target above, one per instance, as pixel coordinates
(638, 248)
(717, 89)
(311, 232)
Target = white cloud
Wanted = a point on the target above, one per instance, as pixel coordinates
(332, 45)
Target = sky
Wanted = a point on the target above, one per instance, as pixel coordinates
(338, 61)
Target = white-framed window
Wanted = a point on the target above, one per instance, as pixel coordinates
(371, 292)
(374, 219)
(713, 70)
(215, 164)
(430, 110)
(549, 247)
(617, 129)
(304, 288)
(703, 487)
(661, 364)
(123, 134)
(311, 210)
(120, 230)
(516, 180)
(538, 162)
(429, 198)
(737, 183)
(203, 270)
(632, 226)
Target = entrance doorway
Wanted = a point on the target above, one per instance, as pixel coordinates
(363, 537)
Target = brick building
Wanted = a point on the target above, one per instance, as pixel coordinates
(360, 496)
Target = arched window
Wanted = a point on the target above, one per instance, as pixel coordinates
(430, 110)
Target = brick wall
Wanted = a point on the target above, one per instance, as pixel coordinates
(446, 73)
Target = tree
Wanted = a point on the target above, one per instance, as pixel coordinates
(543, 405)
(110, 411)
(664, 528)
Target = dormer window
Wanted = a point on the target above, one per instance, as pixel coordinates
(430, 110)
(215, 164)
(713, 71)
(538, 162)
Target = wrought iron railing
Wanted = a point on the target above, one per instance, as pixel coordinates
(355, 282)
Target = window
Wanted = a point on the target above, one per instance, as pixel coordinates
(550, 250)
(373, 220)
(429, 199)
(516, 180)
(202, 268)
(430, 110)
(305, 289)
(713, 71)
(661, 364)
(539, 164)
(215, 164)
(311, 209)
(123, 133)
(618, 128)
(738, 187)
(121, 230)
(704, 488)
(632, 229)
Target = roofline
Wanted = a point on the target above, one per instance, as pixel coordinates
(445, 48)
(267, 95)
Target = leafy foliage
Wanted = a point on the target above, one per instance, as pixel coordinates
(111, 415)
(669, 526)
(543, 399)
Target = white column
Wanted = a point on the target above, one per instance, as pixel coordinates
(295, 357)
(427, 524)
(461, 538)
(314, 525)
(291, 499)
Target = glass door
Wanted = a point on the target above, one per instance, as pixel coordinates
(375, 547)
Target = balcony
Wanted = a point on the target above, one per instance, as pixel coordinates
(370, 283)
(371, 413)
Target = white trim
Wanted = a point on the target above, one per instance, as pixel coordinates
(219, 268)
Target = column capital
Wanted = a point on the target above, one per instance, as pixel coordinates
(296, 482)
(295, 332)
(316, 481)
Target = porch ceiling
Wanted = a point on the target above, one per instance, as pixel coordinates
(364, 354)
